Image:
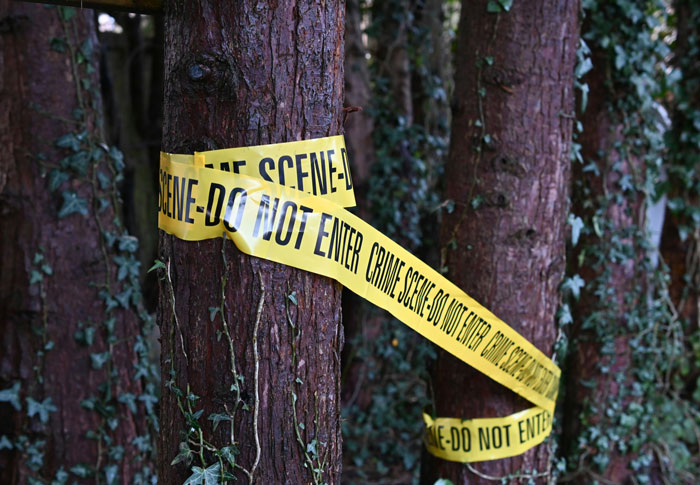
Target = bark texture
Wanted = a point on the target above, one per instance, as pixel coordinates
(237, 74)
(38, 319)
(504, 242)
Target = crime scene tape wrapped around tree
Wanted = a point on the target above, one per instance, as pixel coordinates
(285, 202)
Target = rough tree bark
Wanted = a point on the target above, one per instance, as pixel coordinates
(237, 74)
(508, 173)
(54, 267)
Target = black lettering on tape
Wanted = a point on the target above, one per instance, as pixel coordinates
(213, 214)
(263, 171)
(242, 198)
(266, 217)
(283, 237)
(319, 182)
(284, 159)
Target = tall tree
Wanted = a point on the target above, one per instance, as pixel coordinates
(621, 359)
(72, 350)
(508, 175)
(238, 74)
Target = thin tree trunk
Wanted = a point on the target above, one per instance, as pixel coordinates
(68, 326)
(601, 195)
(682, 254)
(237, 74)
(508, 173)
(359, 320)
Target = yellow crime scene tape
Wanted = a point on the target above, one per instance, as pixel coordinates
(285, 202)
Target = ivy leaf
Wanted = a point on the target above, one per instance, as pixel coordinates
(98, 360)
(293, 298)
(213, 310)
(229, 453)
(506, 4)
(5, 443)
(42, 408)
(116, 453)
(574, 285)
(11, 395)
(185, 454)
(86, 48)
(204, 476)
(104, 180)
(35, 277)
(67, 13)
(111, 474)
(56, 179)
(72, 204)
(576, 224)
(85, 336)
(494, 7)
(61, 477)
(564, 315)
(149, 400)
(217, 418)
(78, 162)
(582, 67)
(128, 266)
(620, 57)
(127, 243)
(69, 140)
(130, 401)
(311, 448)
(118, 158)
(143, 443)
(158, 264)
(626, 183)
(82, 470)
(443, 481)
(123, 297)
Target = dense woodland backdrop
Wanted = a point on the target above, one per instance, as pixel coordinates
(544, 155)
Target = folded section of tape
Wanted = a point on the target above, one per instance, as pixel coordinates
(285, 203)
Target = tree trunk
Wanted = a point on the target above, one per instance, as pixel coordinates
(70, 342)
(610, 282)
(508, 173)
(237, 74)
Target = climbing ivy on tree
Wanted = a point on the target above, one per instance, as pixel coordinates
(647, 424)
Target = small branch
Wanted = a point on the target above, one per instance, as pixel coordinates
(256, 356)
(172, 306)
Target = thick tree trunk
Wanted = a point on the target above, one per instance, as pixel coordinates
(237, 74)
(67, 348)
(508, 173)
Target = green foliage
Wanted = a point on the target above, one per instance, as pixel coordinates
(204, 476)
(11, 395)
